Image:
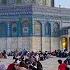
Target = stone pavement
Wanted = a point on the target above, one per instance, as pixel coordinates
(7, 61)
(48, 64)
(51, 63)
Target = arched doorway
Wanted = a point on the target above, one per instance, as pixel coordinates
(64, 43)
(13, 39)
(47, 39)
(37, 36)
(3, 36)
(55, 27)
(26, 35)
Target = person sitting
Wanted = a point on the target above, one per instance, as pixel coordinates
(62, 66)
(4, 54)
(39, 66)
(11, 67)
(14, 65)
(23, 66)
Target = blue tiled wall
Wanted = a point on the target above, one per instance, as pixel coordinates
(19, 12)
(48, 29)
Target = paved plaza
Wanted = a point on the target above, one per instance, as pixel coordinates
(49, 64)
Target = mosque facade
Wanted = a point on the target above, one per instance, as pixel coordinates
(33, 25)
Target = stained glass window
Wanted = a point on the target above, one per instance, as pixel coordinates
(25, 28)
(13, 29)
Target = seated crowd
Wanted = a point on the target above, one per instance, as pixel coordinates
(60, 53)
(3, 54)
(27, 61)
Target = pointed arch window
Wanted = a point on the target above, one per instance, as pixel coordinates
(25, 28)
(37, 28)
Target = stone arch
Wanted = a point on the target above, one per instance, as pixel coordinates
(26, 40)
(46, 40)
(37, 36)
(55, 43)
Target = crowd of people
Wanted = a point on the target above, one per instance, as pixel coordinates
(3, 54)
(60, 53)
(25, 60)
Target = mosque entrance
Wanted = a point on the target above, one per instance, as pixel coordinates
(69, 43)
(64, 43)
(37, 36)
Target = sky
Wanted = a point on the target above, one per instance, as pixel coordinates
(62, 3)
